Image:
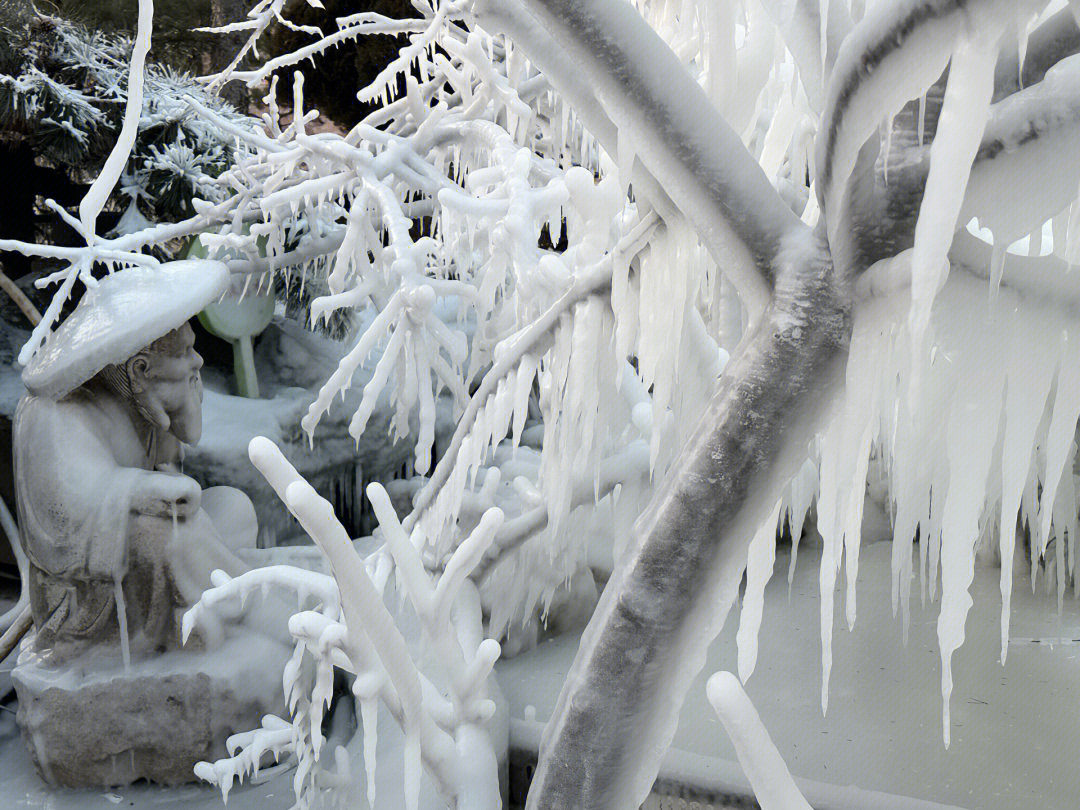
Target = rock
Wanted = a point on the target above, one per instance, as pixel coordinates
(91, 723)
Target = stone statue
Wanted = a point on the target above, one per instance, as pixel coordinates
(118, 539)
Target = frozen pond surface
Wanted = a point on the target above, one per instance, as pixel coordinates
(1014, 727)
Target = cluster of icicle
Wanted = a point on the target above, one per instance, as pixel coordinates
(471, 138)
(478, 144)
(966, 392)
(346, 624)
(974, 435)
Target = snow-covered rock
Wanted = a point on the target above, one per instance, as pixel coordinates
(92, 722)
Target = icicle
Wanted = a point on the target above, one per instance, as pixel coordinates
(759, 570)
(1030, 376)
(972, 431)
(870, 340)
(960, 127)
(412, 769)
(779, 136)
(627, 154)
(922, 119)
(887, 125)
(121, 617)
(824, 35)
(369, 719)
(845, 456)
(803, 490)
(1072, 239)
(1021, 51)
(831, 549)
(997, 268)
(1064, 518)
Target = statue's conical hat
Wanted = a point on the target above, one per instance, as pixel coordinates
(124, 313)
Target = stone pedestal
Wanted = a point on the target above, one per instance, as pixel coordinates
(93, 723)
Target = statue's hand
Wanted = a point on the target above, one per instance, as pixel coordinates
(167, 494)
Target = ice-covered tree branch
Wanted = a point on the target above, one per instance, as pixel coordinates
(351, 627)
(630, 90)
(761, 762)
(891, 56)
(1032, 133)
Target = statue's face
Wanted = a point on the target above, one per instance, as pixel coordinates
(169, 387)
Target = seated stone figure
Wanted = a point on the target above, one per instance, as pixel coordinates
(117, 537)
(120, 542)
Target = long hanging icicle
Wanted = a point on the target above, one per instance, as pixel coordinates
(1030, 377)
(963, 117)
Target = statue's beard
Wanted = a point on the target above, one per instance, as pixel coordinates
(187, 423)
(146, 414)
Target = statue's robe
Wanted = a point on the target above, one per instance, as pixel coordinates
(95, 563)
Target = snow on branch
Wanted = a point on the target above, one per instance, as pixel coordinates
(1033, 134)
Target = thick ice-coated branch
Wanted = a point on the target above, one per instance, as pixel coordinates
(894, 53)
(361, 604)
(104, 183)
(647, 639)
(448, 736)
(1027, 168)
(632, 92)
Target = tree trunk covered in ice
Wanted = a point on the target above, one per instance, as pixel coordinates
(648, 637)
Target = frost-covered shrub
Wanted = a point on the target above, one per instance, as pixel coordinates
(440, 702)
(63, 89)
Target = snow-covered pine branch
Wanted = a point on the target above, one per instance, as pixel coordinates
(78, 81)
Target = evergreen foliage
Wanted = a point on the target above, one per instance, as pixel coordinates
(63, 88)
